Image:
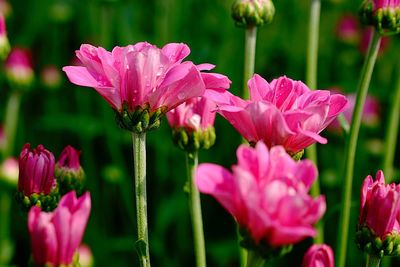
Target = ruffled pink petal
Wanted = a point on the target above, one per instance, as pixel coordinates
(205, 66)
(241, 120)
(215, 81)
(258, 87)
(175, 52)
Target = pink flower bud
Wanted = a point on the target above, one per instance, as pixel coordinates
(348, 29)
(85, 256)
(56, 236)
(36, 171)
(69, 159)
(384, 15)
(5, 8)
(267, 194)
(4, 44)
(51, 77)
(9, 171)
(19, 68)
(318, 256)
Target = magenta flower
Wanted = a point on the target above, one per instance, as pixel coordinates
(267, 194)
(36, 171)
(385, 4)
(19, 68)
(348, 29)
(318, 256)
(56, 236)
(69, 159)
(4, 44)
(68, 171)
(380, 206)
(283, 112)
(138, 75)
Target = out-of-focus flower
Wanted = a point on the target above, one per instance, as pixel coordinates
(365, 39)
(9, 171)
(348, 29)
(85, 256)
(192, 122)
(68, 171)
(384, 15)
(252, 12)
(283, 112)
(19, 69)
(4, 44)
(378, 225)
(51, 77)
(370, 115)
(318, 256)
(141, 82)
(5, 8)
(36, 182)
(56, 236)
(2, 138)
(267, 194)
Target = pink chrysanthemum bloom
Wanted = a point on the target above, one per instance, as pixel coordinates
(56, 236)
(318, 256)
(379, 220)
(68, 171)
(192, 122)
(19, 68)
(384, 15)
(283, 112)
(267, 194)
(4, 44)
(141, 82)
(36, 182)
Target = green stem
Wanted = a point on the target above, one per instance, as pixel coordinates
(254, 259)
(311, 80)
(392, 130)
(195, 210)
(373, 261)
(249, 57)
(351, 146)
(6, 246)
(10, 123)
(139, 157)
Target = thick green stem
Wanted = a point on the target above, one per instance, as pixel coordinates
(311, 80)
(195, 210)
(139, 158)
(249, 57)
(6, 246)
(392, 129)
(10, 123)
(351, 146)
(254, 259)
(373, 261)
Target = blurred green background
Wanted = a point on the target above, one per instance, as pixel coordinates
(67, 114)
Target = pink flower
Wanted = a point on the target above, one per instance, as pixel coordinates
(19, 68)
(377, 4)
(85, 256)
(318, 256)
(56, 236)
(4, 44)
(370, 115)
(51, 77)
(36, 170)
(267, 194)
(9, 171)
(69, 159)
(380, 206)
(348, 29)
(283, 112)
(139, 75)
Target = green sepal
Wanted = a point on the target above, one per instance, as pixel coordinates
(368, 242)
(252, 13)
(385, 20)
(69, 180)
(297, 155)
(191, 141)
(46, 202)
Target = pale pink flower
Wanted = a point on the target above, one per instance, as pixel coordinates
(85, 256)
(56, 236)
(380, 206)
(318, 256)
(283, 112)
(267, 194)
(36, 170)
(139, 75)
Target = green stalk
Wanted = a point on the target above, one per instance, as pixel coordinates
(195, 210)
(351, 146)
(10, 123)
(311, 80)
(249, 57)
(139, 158)
(373, 261)
(254, 259)
(392, 130)
(6, 245)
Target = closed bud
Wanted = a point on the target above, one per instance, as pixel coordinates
(9, 171)
(4, 43)
(68, 171)
(252, 12)
(19, 71)
(384, 15)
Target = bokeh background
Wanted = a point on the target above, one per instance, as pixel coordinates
(56, 116)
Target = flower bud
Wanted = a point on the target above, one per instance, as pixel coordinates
(36, 182)
(252, 12)
(68, 171)
(19, 71)
(4, 44)
(348, 29)
(85, 256)
(384, 15)
(318, 256)
(5, 8)
(9, 171)
(51, 77)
